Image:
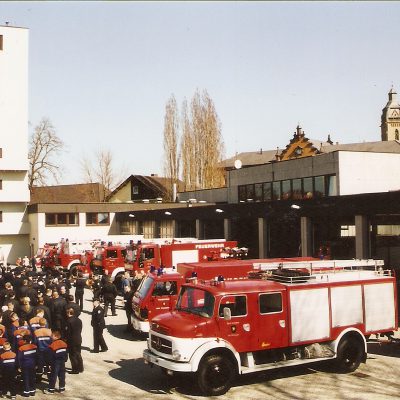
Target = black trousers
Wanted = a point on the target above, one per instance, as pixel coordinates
(75, 357)
(98, 340)
(79, 299)
(107, 302)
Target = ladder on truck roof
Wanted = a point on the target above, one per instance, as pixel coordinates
(302, 271)
(319, 265)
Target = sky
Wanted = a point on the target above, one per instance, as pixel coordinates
(102, 72)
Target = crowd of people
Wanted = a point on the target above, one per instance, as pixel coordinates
(40, 326)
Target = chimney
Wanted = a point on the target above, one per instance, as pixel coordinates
(154, 175)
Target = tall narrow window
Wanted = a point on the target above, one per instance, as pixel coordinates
(396, 134)
(1, 216)
(1, 152)
(1, 42)
(1, 184)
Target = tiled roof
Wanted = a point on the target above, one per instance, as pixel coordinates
(266, 156)
(79, 193)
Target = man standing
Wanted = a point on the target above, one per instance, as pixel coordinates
(98, 324)
(74, 340)
(79, 284)
(109, 292)
(128, 295)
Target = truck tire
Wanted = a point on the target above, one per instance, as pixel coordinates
(350, 354)
(215, 375)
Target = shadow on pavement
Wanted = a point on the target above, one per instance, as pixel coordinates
(135, 372)
(384, 348)
(120, 332)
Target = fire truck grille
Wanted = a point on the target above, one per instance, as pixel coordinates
(160, 344)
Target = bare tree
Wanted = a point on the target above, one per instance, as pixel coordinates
(208, 142)
(188, 151)
(171, 154)
(103, 172)
(44, 146)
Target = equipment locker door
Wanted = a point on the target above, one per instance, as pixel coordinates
(272, 321)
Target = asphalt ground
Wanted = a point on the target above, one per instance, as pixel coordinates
(121, 373)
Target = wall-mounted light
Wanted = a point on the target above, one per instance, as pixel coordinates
(295, 206)
(146, 201)
(167, 213)
(132, 215)
(218, 210)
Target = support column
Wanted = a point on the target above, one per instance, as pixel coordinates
(227, 229)
(262, 238)
(174, 228)
(362, 243)
(199, 229)
(306, 237)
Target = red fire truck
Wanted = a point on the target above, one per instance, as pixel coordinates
(115, 260)
(158, 291)
(222, 329)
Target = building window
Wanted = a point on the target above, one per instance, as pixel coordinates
(396, 134)
(62, 219)
(97, 218)
(1, 216)
(331, 185)
(1, 152)
(297, 191)
(286, 190)
(250, 192)
(242, 193)
(347, 231)
(1, 184)
(319, 185)
(135, 189)
(258, 192)
(276, 191)
(308, 188)
(1, 42)
(267, 191)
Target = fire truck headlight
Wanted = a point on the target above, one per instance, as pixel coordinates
(176, 355)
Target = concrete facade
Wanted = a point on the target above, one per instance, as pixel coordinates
(14, 193)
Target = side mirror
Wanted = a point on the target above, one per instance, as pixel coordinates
(227, 314)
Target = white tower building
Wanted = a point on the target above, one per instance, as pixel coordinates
(14, 193)
(390, 120)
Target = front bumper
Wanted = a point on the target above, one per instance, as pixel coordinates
(151, 358)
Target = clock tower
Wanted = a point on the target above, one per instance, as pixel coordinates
(390, 126)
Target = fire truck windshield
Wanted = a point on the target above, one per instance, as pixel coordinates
(196, 301)
(144, 287)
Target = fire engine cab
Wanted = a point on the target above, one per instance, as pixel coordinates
(291, 315)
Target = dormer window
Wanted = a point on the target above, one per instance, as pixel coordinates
(1, 42)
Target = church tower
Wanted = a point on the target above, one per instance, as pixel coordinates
(390, 126)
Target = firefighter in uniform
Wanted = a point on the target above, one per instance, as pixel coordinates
(58, 356)
(98, 324)
(8, 362)
(27, 354)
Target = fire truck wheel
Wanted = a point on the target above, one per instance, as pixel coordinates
(215, 375)
(349, 354)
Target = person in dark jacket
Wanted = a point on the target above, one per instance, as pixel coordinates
(27, 355)
(98, 324)
(74, 339)
(8, 363)
(58, 311)
(58, 357)
(42, 339)
(72, 304)
(80, 284)
(109, 292)
(128, 295)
